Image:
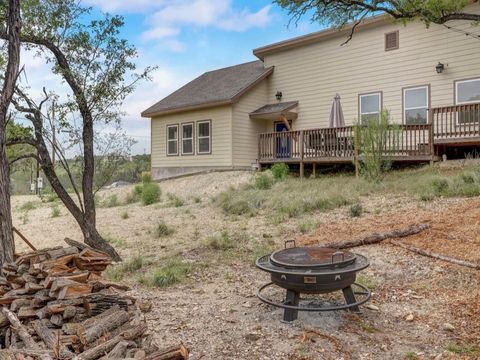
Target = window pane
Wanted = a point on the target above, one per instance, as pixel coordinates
(417, 116)
(204, 129)
(204, 145)
(187, 146)
(172, 133)
(370, 117)
(468, 91)
(370, 103)
(172, 147)
(187, 131)
(415, 98)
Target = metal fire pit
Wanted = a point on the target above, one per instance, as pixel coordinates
(313, 270)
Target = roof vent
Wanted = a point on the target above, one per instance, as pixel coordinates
(391, 41)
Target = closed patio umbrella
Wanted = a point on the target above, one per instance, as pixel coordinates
(336, 114)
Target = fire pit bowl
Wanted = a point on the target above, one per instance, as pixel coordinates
(313, 270)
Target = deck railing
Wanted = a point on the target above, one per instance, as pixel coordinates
(338, 144)
(459, 122)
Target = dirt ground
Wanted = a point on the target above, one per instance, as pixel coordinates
(422, 308)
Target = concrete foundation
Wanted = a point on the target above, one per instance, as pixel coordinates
(163, 173)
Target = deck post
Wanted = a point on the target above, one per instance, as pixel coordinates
(302, 148)
(431, 135)
(357, 164)
(314, 170)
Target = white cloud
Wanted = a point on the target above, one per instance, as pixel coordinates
(160, 32)
(168, 20)
(245, 20)
(136, 6)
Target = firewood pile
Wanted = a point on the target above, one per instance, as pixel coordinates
(56, 305)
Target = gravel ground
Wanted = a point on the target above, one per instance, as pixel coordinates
(421, 307)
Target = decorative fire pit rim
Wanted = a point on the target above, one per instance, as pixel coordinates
(366, 292)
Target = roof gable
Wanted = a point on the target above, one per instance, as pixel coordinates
(213, 88)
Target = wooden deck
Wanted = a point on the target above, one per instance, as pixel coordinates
(448, 126)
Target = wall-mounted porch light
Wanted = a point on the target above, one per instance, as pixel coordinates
(440, 68)
(279, 95)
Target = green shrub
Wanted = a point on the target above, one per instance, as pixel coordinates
(356, 210)
(129, 266)
(280, 171)
(124, 215)
(371, 138)
(221, 241)
(175, 200)
(29, 205)
(263, 182)
(55, 211)
(173, 271)
(146, 177)
(150, 193)
(306, 226)
(163, 230)
(116, 242)
(110, 201)
(440, 186)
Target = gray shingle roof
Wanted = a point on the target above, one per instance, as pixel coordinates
(275, 108)
(216, 87)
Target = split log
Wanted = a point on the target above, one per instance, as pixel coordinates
(118, 351)
(52, 340)
(103, 326)
(437, 256)
(379, 237)
(20, 329)
(107, 346)
(172, 353)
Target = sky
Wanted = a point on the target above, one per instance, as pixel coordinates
(183, 38)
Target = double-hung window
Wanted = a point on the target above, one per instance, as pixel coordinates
(187, 139)
(204, 137)
(370, 106)
(467, 92)
(415, 105)
(172, 140)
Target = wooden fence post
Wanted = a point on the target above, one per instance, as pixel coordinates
(431, 135)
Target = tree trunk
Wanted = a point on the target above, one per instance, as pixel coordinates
(7, 244)
(96, 241)
(86, 218)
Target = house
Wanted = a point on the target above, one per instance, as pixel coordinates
(277, 109)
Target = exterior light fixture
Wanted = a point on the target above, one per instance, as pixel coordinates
(440, 67)
(279, 95)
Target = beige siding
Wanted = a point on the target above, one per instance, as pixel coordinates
(221, 155)
(312, 74)
(245, 130)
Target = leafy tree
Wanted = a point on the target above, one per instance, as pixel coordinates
(98, 68)
(10, 14)
(339, 13)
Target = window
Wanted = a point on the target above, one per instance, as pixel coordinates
(187, 139)
(415, 105)
(391, 41)
(467, 92)
(370, 106)
(204, 137)
(172, 139)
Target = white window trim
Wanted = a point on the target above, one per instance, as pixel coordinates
(209, 137)
(370, 113)
(427, 105)
(456, 92)
(172, 140)
(190, 138)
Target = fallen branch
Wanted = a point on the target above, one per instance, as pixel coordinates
(433, 255)
(375, 238)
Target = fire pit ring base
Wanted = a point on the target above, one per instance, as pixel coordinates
(293, 298)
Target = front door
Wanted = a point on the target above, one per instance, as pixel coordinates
(283, 142)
